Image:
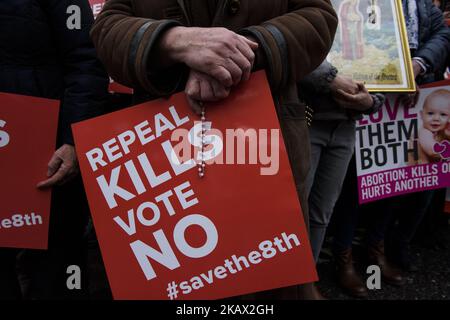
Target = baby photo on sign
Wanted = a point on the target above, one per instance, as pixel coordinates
(434, 125)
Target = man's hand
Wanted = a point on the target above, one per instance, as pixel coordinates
(417, 69)
(345, 84)
(360, 101)
(201, 88)
(409, 100)
(217, 52)
(63, 166)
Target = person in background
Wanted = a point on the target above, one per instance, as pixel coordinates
(444, 6)
(41, 56)
(337, 101)
(429, 41)
(399, 217)
(431, 231)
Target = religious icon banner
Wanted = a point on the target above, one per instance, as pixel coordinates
(371, 45)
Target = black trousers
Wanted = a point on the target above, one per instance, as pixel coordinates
(42, 274)
(397, 218)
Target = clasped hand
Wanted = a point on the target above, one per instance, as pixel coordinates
(218, 58)
(350, 94)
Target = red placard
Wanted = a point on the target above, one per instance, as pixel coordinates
(28, 128)
(115, 87)
(96, 6)
(164, 231)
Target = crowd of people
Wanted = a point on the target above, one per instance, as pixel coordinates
(333, 140)
(206, 48)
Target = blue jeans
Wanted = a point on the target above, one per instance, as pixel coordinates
(332, 144)
(346, 212)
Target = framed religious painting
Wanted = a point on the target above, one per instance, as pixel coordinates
(371, 45)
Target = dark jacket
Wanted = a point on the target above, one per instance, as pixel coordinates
(434, 38)
(40, 56)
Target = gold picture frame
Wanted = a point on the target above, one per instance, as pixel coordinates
(371, 45)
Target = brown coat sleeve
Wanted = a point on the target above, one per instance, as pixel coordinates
(293, 44)
(124, 42)
(296, 43)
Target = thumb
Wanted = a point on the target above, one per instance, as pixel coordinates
(361, 87)
(53, 165)
(344, 95)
